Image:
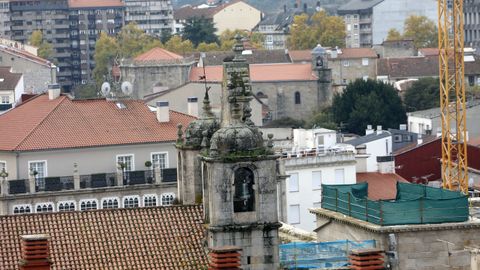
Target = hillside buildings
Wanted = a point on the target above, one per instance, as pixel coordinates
(367, 22)
(154, 17)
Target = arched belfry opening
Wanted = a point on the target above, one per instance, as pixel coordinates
(244, 195)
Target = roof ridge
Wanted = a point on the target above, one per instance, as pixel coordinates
(40, 123)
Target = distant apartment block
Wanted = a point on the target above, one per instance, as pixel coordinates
(367, 22)
(5, 19)
(72, 27)
(154, 17)
(472, 23)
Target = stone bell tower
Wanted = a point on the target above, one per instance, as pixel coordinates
(197, 137)
(324, 73)
(241, 179)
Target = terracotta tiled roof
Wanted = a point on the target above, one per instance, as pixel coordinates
(301, 56)
(94, 3)
(428, 51)
(140, 238)
(25, 55)
(8, 80)
(41, 123)
(158, 54)
(351, 53)
(261, 73)
(381, 186)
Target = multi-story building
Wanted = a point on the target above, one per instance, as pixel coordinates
(87, 20)
(154, 17)
(471, 9)
(49, 141)
(367, 22)
(5, 19)
(72, 27)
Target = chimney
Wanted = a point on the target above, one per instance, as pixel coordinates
(53, 91)
(163, 112)
(419, 139)
(403, 127)
(305, 7)
(192, 106)
(227, 257)
(369, 130)
(379, 130)
(35, 252)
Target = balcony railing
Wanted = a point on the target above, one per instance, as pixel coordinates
(92, 181)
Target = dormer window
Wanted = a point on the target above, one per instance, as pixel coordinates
(167, 199)
(22, 209)
(44, 207)
(110, 203)
(131, 201)
(66, 206)
(88, 205)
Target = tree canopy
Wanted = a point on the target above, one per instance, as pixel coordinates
(423, 94)
(306, 32)
(394, 34)
(200, 30)
(420, 29)
(45, 49)
(368, 102)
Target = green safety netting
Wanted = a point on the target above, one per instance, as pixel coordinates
(414, 204)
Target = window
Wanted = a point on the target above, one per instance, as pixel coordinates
(44, 207)
(365, 78)
(109, 203)
(167, 199)
(339, 176)
(293, 182)
(364, 61)
(131, 201)
(160, 160)
(22, 209)
(66, 206)
(88, 205)
(244, 195)
(297, 98)
(346, 63)
(294, 214)
(397, 138)
(3, 166)
(5, 100)
(150, 200)
(39, 170)
(317, 180)
(127, 161)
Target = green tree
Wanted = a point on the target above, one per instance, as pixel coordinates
(227, 39)
(322, 119)
(200, 30)
(423, 94)
(177, 45)
(321, 28)
(368, 102)
(84, 91)
(207, 47)
(106, 49)
(393, 34)
(422, 30)
(45, 49)
(133, 41)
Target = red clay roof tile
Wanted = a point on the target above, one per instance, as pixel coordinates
(41, 123)
(381, 186)
(157, 54)
(260, 73)
(139, 238)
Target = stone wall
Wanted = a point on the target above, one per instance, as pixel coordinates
(419, 247)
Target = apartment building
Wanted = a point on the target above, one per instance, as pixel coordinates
(154, 17)
(5, 19)
(472, 23)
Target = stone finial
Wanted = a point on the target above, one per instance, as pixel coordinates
(238, 49)
(75, 167)
(204, 143)
(179, 134)
(247, 113)
(270, 141)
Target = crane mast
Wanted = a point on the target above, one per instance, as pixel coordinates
(452, 95)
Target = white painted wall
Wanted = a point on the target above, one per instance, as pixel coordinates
(418, 124)
(237, 16)
(311, 138)
(309, 194)
(19, 89)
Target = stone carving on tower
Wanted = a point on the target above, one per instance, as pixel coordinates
(240, 176)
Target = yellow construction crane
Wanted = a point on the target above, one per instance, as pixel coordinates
(452, 95)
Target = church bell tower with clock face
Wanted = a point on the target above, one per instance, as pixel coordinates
(239, 172)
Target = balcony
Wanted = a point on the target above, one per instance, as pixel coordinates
(91, 181)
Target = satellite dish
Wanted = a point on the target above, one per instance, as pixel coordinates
(105, 89)
(127, 88)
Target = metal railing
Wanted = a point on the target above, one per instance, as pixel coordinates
(54, 183)
(18, 186)
(98, 180)
(138, 177)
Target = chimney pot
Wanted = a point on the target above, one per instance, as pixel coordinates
(53, 91)
(35, 252)
(369, 130)
(192, 106)
(379, 129)
(163, 112)
(227, 257)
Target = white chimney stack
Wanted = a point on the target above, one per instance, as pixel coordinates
(163, 112)
(53, 91)
(369, 130)
(192, 106)
(379, 130)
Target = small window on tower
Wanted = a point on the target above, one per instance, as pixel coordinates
(298, 99)
(244, 196)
